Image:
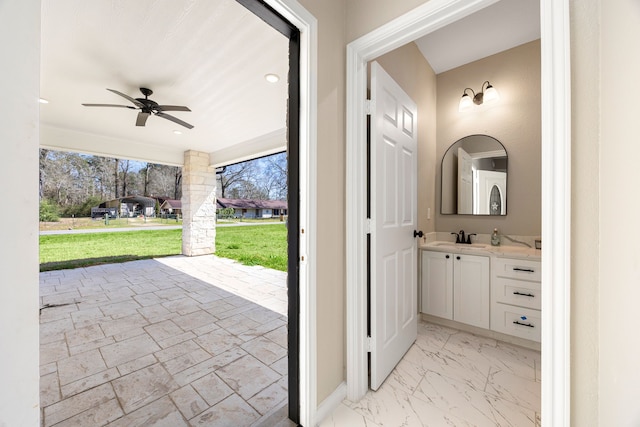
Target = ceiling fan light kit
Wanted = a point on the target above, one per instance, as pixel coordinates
(147, 107)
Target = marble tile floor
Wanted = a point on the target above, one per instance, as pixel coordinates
(452, 378)
(173, 341)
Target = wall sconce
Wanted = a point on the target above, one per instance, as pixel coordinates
(487, 94)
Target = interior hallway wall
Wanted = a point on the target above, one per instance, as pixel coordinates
(20, 89)
(408, 67)
(364, 16)
(619, 206)
(585, 217)
(331, 166)
(514, 120)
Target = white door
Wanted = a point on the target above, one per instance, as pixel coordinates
(491, 183)
(393, 269)
(465, 182)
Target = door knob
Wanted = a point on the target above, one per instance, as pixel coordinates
(418, 233)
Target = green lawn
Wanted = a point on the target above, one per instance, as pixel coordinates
(264, 245)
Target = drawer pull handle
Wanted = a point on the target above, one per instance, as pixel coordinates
(526, 270)
(524, 295)
(528, 325)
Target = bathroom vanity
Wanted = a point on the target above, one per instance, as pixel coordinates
(494, 288)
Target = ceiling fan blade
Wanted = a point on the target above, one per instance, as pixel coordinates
(109, 105)
(174, 119)
(132, 100)
(172, 108)
(142, 118)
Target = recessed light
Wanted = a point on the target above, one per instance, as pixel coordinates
(177, 132)
(272, 78)
(43, 101)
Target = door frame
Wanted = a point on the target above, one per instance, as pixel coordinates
(556, 187)
(307, 24)
(308, 27)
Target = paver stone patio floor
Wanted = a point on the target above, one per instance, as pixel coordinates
(173, 341)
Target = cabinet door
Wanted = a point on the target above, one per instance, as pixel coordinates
(437, 284)
(471, 290)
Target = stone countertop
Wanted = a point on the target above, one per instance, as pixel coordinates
(503, 251)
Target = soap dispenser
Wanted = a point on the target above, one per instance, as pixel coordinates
(495, 239)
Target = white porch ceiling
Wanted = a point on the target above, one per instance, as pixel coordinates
(211, 56)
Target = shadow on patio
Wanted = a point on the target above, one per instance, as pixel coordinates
(173, 341)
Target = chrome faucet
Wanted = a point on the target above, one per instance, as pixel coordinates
(461, 239)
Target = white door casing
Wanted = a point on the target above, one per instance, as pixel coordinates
(394, 170)
(556, 186)
(465, 182)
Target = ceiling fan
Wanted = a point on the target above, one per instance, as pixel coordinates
(147, 107)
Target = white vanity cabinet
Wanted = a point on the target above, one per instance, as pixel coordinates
(515, 297)
(455, 286)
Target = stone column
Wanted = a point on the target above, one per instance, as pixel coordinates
(198, 204)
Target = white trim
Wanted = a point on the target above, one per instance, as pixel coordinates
(407, 28)
(556, 211)
(488, 154)
(556, 143)
(331, 403)
(264, 145)
(308, 26)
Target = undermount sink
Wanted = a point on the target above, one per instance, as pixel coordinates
(462, 245)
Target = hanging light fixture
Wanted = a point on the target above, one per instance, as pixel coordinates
(487, 94)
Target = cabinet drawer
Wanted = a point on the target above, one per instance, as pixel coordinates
(517, 321)
(517, 292)
(517, 268)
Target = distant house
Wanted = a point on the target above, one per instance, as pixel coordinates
(171, 207)
(128, 206)
(249, 208)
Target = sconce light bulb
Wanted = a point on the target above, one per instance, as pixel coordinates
(465, 103)
(491, 94)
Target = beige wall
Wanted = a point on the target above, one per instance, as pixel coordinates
(619, 208)
(331, 193)
(585, 224)
(514, 120)
(364, 16)
(413, 73)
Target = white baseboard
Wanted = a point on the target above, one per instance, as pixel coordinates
(330, 404)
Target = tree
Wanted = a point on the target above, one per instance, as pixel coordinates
(162, 181)
(48, 211)
(275, 176)
(234, 178)
(177, 183)
(103, 178)
(124, 172)
(116, 178)
(262, 179)
(42, 173)
(147, 173)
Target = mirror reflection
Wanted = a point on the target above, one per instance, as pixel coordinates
(474, 177)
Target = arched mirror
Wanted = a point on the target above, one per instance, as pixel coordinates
(474, 177)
